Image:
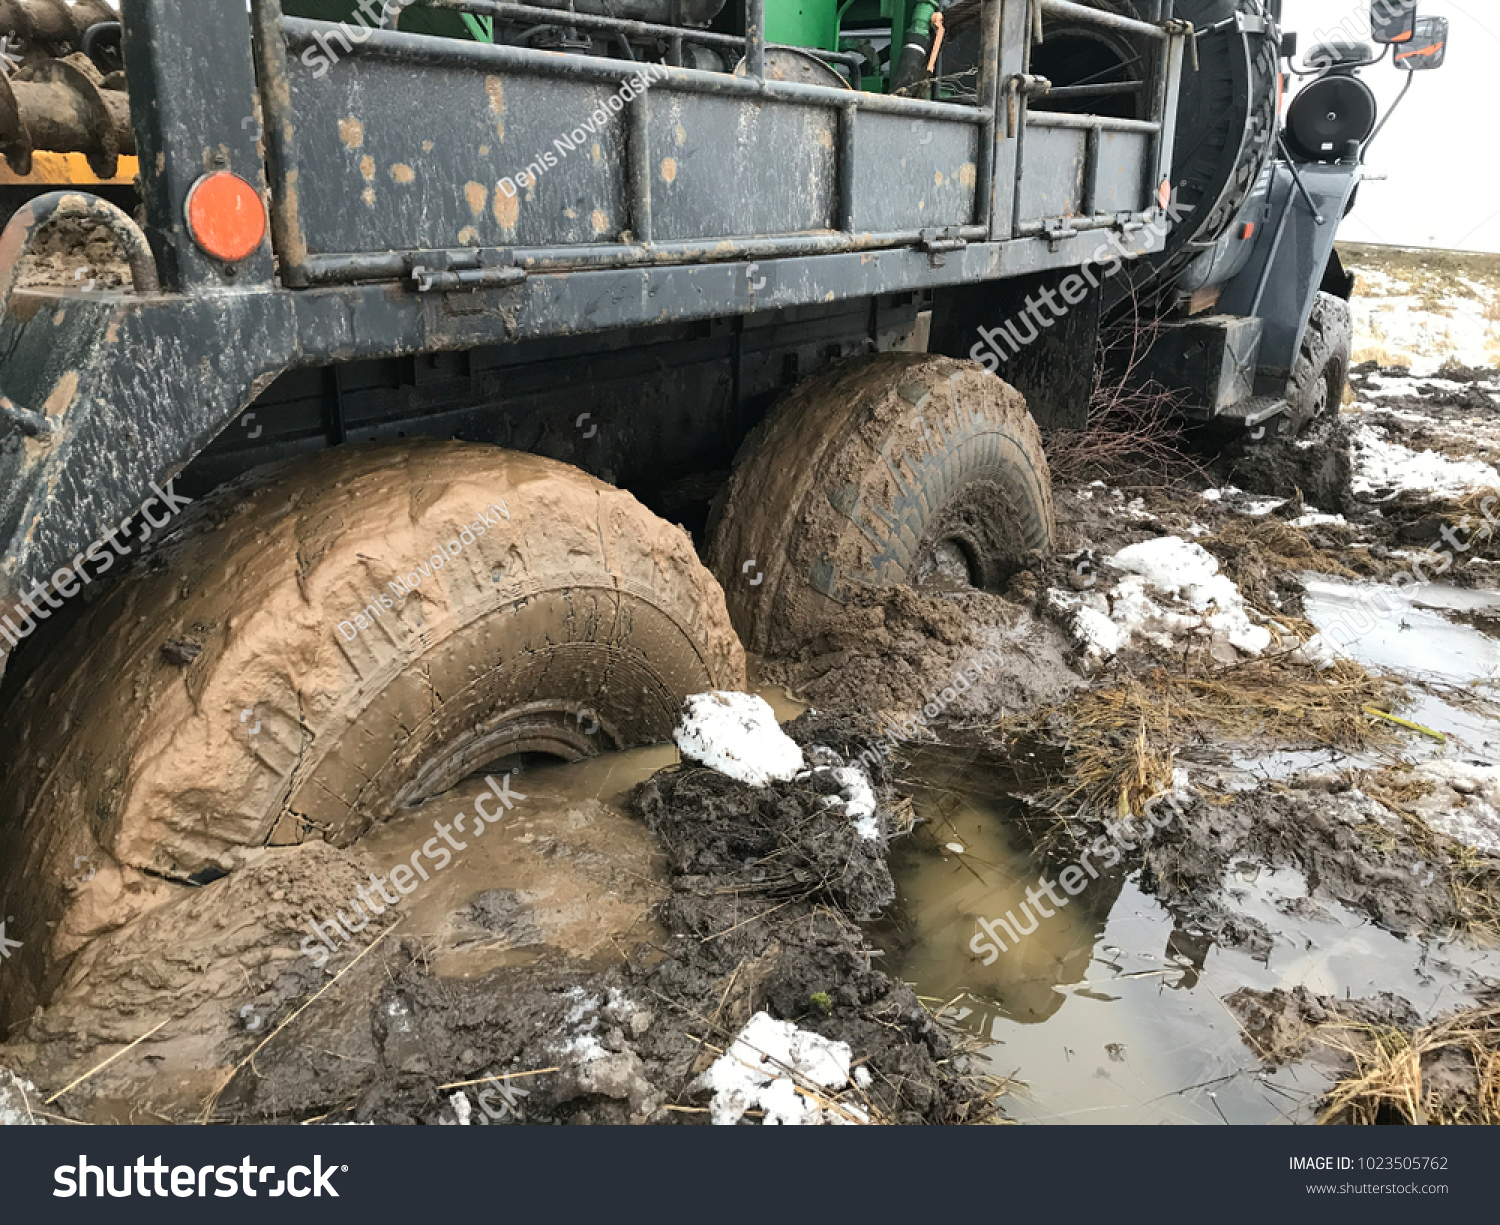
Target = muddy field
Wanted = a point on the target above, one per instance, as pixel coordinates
(1197, 820)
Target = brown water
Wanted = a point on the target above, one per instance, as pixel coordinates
(568, 869)
(1111, 1012)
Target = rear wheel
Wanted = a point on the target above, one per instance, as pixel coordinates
(335, 640)
(881, 471)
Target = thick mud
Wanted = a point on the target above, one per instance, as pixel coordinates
(896, 652)
(269, 676)
(74, 255)
(587, 967)
(1169, 824)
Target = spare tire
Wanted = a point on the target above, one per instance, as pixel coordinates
(872, 473)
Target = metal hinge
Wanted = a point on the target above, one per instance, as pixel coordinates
(938, 242)
(445, 271)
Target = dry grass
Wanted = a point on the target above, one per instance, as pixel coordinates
(1254, 552)
(1387, 1084)
(1381, 356)
(1473, 881)
(1134, 427)
(1122, 739)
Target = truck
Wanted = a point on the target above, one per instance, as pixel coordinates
(448, 381)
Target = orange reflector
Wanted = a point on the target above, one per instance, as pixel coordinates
(1164, 193)
(1249, 231)
(225, 216)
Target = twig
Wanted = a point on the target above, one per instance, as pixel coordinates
(484, 1080)
(100, 1067)
(213, 1098)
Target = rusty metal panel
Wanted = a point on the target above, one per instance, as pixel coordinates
(734, 166)
(376, 174)
(913, 174)
(1052, 176)
(1122, 182)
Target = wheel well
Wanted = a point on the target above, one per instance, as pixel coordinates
(659, 411)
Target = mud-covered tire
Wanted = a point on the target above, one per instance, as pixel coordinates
(215, 700)
(870, 474)
(1319, 375)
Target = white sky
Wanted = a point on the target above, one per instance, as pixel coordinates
(1441, 151)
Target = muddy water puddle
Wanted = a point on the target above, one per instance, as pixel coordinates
(567, 870)
(1109, 1010)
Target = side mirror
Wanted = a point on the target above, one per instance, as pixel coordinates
(1428, 49)
(1393, 21)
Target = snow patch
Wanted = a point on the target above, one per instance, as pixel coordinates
(764, 1067)
(737, 735)
(15, 1093)
(1317, 652)
(1388, 467)
(1464, 802)
(1316, 518)
(857, 796)
(1169, 569)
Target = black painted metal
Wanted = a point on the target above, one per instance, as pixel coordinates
(1281, 281)
(704, 201)
(193, 104)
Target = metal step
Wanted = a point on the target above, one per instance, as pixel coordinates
(1253, 411)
